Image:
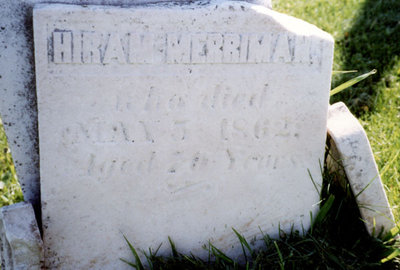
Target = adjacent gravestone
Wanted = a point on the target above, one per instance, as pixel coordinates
(176, 120)
(352, 150)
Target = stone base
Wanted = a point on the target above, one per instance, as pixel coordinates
(21, 244)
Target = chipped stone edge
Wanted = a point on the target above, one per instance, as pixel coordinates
(21, 246)
(355, 154)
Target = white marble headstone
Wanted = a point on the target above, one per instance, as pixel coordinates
(18, 110)
(175, 120)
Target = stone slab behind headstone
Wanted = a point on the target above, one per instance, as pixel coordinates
(355, 154)
(17, 92)
(179, 121)
(21, 245)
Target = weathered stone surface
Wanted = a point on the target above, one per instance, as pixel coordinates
(354, 151)
(179, 121)
(17, 92)
(21, 245)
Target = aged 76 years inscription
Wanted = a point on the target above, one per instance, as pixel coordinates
(170, 120)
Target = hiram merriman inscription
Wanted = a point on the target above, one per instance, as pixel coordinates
(93, 47)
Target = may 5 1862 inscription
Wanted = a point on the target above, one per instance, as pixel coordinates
(180, 121)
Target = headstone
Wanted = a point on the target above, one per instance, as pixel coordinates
(176, 120)
(18, 95)
(20, 243)
(354, 152)
(17, 79)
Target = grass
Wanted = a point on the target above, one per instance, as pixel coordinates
(367, 37)
(10, 190)
(337, 239)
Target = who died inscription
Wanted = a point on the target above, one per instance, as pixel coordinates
(179, 121)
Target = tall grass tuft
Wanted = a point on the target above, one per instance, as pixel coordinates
(337, 239)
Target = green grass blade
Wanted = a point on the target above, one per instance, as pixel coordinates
(191, 259)
(220, 255)
(373, 227)
(392, 255)
(391, 234)
(312, 179)
(149, 256)
(173, 248)
(336, 260)
(324, 210)
(129, 263)
(148, 259)
(139, 264)
(351, 82)
(334, 72)
(266, 238)
(370, 182)
(281, 262)
(243, 243)
(389, 164)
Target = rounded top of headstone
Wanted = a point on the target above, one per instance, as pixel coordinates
(266, 3)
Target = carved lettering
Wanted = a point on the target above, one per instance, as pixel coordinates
(261, 48)
(258, 129)
(181, 162)
(226, 99)
(281, 51)
(302, 50)
(141, 48)
(114, 50)
(62, 47)
(179, 131)
(178, 48)
(215, 48)
(91, 46)
(96, 47)
(199, 48)
(231, 49)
